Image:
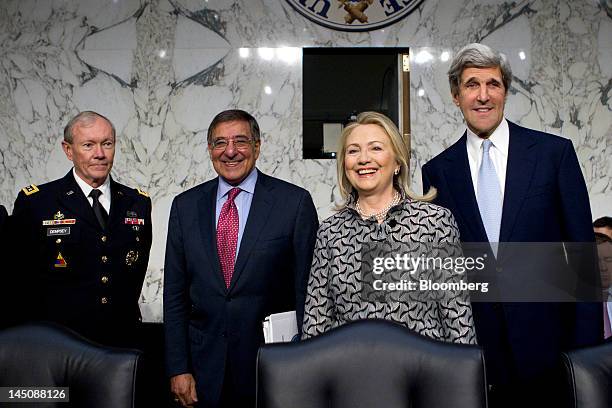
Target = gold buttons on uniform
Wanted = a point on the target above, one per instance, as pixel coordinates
(104, 259)
(58, 241)
(137, 239)
(104, 300)
(104, 279)
(103, 238)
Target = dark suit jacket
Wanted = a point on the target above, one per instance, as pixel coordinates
(6, 286)
(545, 200)
(96, 288)
(3, 218)
(209, 327)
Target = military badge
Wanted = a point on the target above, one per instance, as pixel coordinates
(58, 216)
(59, 222)
(131, 214)
(134, 221)
(60, 262)
(131, 257)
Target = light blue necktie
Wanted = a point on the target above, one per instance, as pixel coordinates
(489, 195)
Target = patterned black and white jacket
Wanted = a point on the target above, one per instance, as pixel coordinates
(335, 287)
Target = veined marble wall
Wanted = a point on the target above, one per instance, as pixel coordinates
(161, 69)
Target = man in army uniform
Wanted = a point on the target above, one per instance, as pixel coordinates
(83, 241)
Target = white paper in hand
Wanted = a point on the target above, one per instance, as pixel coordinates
(280, 327)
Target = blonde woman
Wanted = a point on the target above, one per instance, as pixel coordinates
(378, 205)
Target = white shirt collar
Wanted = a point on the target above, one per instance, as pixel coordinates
(86, 188)
(247, 185)
(500, 139)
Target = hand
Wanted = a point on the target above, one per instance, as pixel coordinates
(183, 388)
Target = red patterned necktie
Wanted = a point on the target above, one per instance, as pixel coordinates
(227, 235)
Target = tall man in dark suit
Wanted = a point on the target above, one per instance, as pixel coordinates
(506, 183)
(239, 248)
(83, 241)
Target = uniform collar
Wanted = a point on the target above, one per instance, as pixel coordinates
(86, 188)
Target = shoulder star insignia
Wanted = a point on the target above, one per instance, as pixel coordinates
(31, 189)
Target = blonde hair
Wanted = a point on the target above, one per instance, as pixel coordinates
(401, 181)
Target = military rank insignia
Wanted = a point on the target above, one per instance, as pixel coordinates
(144, 193)
(60, 262)
(29, 190)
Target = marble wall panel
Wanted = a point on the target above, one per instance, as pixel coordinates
(161, 69)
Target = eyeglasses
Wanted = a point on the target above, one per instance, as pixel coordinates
(240, 143)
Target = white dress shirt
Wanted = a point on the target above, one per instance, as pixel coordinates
(105, 198)
(500, 139)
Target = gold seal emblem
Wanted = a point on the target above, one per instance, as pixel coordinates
(355, 15)
(131, 257)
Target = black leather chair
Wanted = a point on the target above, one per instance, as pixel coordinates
(589, 373)
(370, 363)
(48, 355)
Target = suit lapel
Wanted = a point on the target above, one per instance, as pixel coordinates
(459, 182)
(519, 173)
(256, 222)
(73, 199)
(208, 230)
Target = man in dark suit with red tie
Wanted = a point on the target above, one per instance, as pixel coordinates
(83, 241)
(507, 183)
(239, 248)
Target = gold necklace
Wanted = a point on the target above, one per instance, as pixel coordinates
(382, 213)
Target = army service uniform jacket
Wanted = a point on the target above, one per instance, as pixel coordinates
(73, 272)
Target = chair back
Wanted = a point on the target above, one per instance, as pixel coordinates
(49, 355)
(370, 363)
(589, 373)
